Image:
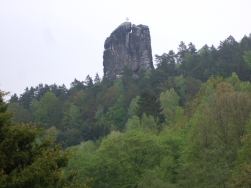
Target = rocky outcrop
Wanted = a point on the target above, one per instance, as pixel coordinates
(128, 45)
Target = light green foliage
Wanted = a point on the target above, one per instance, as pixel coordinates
(234, 109)
(169, 102)
(134, 124)
(152, 178)
(117, 113)
(120, 161)
(208, 97)
(75, 116)
(214, 137)
(82, 159)
(113, 134)
(235, 81)
(213, 81)
(194, 135)
(206, 164)
(245, 87)
(247, 58)
(180, 118)
(48, 110)
(241, 174)
(147, 124)
(147, 74)
(180, 84)
(119, 83)
(169, 168)
(133, 107)
(172, 140)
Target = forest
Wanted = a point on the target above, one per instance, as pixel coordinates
(187, 123)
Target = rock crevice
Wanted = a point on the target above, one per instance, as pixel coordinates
(128, 45)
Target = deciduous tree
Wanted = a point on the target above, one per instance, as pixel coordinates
(30, 161)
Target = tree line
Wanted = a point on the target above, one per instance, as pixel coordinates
(184, 124)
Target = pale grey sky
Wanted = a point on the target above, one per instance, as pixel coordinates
(53, 41)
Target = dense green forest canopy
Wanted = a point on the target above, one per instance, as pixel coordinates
(30, 158)
(184, 124)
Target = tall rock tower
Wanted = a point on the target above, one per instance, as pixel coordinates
(128, 45)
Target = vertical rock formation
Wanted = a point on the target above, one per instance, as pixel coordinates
(127, 46)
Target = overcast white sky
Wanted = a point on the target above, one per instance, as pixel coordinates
(56, 41)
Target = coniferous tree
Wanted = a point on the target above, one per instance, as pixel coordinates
(149, 105)
(14, 98)
(97, 79)
(26, 97)
(182, 49)
(88, 82)
(77, 85)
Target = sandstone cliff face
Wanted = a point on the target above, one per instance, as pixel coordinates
(127, 46)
